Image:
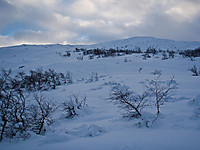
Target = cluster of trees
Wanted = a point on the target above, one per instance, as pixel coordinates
(155, 94)
(166, 54)
(66, 54)
(107, 52)
(191, 53)
(148, 53)
(38, 79)
(116, 52)
(18, 116)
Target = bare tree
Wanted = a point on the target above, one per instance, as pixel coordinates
(161, 90)
(12, 106)
(5, 111)
(40, 113)
(133, 103)
(6, 94)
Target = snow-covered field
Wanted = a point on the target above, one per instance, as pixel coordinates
(100, 125)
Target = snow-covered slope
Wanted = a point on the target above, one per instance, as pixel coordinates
(100, 125)
(145, 42)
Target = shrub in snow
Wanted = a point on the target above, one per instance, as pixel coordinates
(53, 78)
(80, 58)
(40, 113)
(38, 79)
(94, 77)
(151, 50)
(164, 56)
(157, 72)
(67, 54)
(160, 90)
(91, 56)
(195, 70)
(140, 70)
(73, 106)
(133, 103)
(171, 54)
(146, 55)
(67, 78)
(44, 80)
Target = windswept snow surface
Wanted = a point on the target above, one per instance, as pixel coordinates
(100, 125)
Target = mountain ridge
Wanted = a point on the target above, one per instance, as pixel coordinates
(146, 41)
(142, 42)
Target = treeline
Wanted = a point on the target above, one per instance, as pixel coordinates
(191, 53)
(107, 52)
(146, 54)
(36, 79)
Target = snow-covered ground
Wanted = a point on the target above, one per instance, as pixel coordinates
(100, 125)
(145, 42)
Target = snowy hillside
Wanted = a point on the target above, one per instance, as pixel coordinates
(127, 44)
(98, 123)
(146, 42)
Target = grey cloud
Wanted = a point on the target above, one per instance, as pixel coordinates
(157, 23)
(7, 13)
(93, 21)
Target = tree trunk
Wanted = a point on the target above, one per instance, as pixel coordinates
(41, 126)
(158, 108)
(3, 129)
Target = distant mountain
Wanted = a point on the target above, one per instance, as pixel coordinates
(129, 43)
(145, 42)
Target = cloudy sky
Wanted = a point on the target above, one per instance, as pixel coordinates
(94, 21)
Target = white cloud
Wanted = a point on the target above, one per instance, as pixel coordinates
(184, 11)
(93, 21)
(82, 8)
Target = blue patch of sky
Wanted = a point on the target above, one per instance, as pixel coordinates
(10, 29)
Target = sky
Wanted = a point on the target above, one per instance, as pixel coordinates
(95, 21)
